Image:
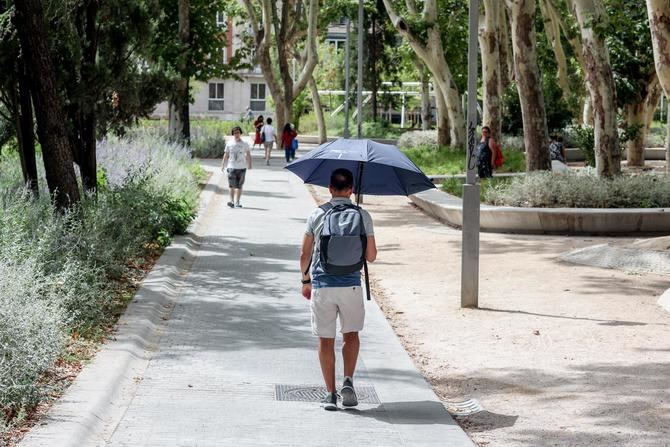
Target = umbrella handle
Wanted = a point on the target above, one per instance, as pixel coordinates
(359, 183)
(367, 279)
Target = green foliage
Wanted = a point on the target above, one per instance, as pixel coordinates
(585, 140)
(630, 50)
(583, 190)
(203, 59)
(559, 112)
(448, 161)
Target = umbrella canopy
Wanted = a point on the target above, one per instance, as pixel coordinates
(379, 169)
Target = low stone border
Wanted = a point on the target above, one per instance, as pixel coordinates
(507, 219)
(664, 300)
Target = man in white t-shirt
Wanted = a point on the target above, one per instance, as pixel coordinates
(268, 134)
(236, 160)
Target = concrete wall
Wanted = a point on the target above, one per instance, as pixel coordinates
(507, 219)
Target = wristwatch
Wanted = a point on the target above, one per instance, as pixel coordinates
(306, 281)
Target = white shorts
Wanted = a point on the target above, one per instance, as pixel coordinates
(328, 302)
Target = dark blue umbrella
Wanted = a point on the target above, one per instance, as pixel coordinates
(379, 169)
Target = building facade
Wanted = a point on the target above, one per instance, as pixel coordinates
(228, 99)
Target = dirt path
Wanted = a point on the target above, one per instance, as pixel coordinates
(557, 354)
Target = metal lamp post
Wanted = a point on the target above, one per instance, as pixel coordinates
(470, 232)
(359, 92)
(346, 81)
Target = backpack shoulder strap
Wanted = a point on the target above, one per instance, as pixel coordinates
(326, 206)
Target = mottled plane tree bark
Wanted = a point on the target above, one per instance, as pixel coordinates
(529, 84)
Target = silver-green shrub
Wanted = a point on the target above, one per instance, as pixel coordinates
(418, 138)
(31, 331)
(583, 190)
(56, 269)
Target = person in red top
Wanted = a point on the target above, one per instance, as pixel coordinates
(258, 124)
(287, 137)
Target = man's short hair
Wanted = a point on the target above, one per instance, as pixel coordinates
(236, 128)
(341, 179)
(269, 120)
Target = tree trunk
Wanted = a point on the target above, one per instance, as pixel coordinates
(641, 115)
(529, 85)
(430, 50)
(635, 116)
(490, 50)
(49, 110)
(88, 121)
(181, 125)
(443, 131)
(659, 21)
(591, 16)
(506, 61)
(87, 157)
(284, 26)
(318, 111)
(426, 113)
(552, 26)
(25, 133)
(587, 112)
(174, 121)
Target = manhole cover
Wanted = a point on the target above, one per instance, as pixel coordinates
(309, 393)
(464, 408)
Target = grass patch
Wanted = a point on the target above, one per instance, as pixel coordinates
(454, 186)
(448, 161)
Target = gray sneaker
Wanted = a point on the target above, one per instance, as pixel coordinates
(348, 393)
(329, 402)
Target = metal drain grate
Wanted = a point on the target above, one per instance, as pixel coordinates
(310, 393)
(464, 408)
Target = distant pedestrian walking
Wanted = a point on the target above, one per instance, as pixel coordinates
(338, 239)
(236, 161)
(258, 124)
(557, 155)
(556, 149)
(485, 153)
(248, 115)
(289, 142)
(268, 135)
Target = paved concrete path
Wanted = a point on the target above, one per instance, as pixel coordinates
(236, 336)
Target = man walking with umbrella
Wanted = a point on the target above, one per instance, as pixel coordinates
(338, 239)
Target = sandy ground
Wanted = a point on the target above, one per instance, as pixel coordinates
(557, 354)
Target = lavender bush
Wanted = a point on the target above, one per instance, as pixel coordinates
(56, 270)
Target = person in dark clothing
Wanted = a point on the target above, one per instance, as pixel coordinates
(485, 153)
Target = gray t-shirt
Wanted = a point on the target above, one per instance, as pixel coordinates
(314, 227)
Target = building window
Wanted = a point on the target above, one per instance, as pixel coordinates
(221, 19)
(257, 97)
(216, 96)
(339, 44)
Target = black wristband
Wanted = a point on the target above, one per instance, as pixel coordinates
(306, 281)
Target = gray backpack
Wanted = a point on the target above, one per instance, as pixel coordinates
(343, 239)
